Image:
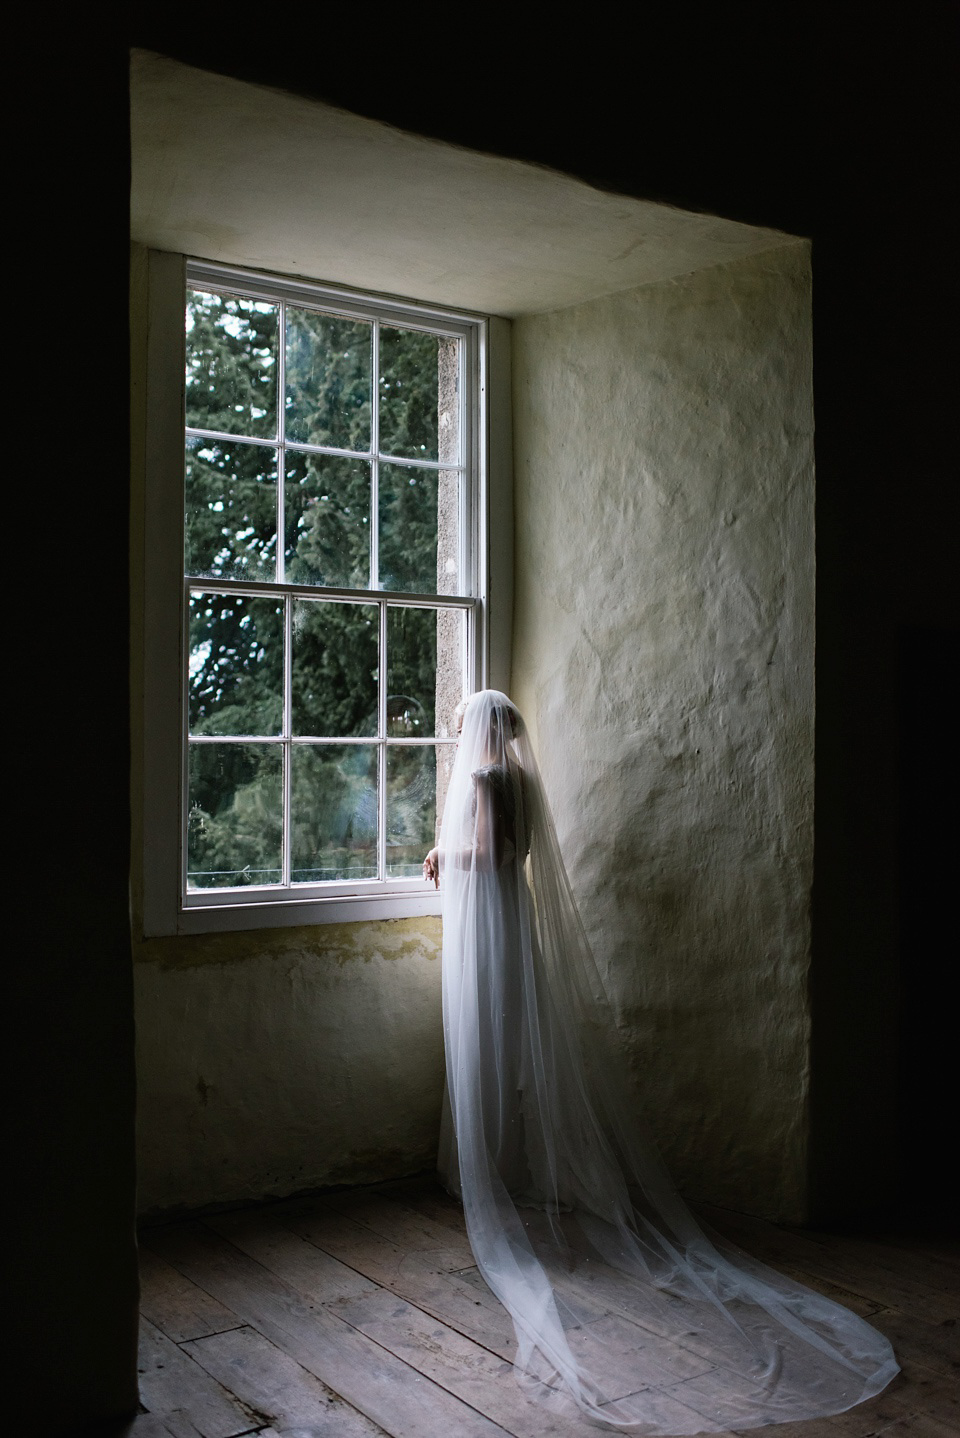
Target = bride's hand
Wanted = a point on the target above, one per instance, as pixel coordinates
(431, 867)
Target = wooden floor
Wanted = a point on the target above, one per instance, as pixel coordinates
(362, 1313)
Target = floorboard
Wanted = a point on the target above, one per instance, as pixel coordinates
(176, 1306)
(383, 1388)
(269, 1380)
(184, 1396)
(361, 1314)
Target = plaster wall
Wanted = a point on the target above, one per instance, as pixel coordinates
(663, 647)
(278, 1061)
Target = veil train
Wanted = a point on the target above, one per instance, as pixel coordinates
(623, 1307)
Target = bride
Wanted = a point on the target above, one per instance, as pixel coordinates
(621, 1304)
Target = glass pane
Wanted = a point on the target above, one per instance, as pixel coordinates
(230, 510)
(411, 808)
(409, 529)
(329, 375)
(424, 672)
(335, 655)
(327, 503)
(235, 815)
(231, 364)
(236, 664)
(334, 812)
(419, 411)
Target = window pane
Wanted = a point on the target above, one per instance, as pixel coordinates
(236, 664)
(424, 671)
(231, 510)
(234, 815)
(327, 503)
(409, 529)
(411, 808)
(231, 364)
(335, 655)
(329, 375)
(334, 812)
(419, 409)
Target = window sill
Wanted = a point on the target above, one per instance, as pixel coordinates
(290, 913)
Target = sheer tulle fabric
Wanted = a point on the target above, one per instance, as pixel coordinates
(622, 1305)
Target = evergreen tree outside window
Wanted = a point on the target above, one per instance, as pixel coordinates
(330, 586)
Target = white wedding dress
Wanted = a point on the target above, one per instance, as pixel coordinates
(624, 1309)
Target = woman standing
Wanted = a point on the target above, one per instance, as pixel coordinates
(621, 1304)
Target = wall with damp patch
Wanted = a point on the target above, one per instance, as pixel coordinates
(297, 1059)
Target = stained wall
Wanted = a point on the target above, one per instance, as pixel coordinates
(663, 645)
(279, 1061)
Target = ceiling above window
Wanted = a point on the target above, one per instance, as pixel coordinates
(242, 174)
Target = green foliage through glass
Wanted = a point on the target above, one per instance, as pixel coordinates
(231, 379)
(239, 670)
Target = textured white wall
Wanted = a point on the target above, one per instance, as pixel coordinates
(663, 650)
(272, 1062)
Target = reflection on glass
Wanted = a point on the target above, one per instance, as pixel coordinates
(411, 808)
(335, 655)
(230, 515)
(328, 380)
(234, 815)
(424, 671)
(408, 529)
(236, 664)
(231, 379)
(409, 393)
(327, 502)
(334, 812)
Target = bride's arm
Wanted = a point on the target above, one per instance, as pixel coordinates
(486, 852)
(463, 859)
(489, 834)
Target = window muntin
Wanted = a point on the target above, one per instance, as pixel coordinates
(330, 589)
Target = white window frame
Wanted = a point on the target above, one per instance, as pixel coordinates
(167, 906)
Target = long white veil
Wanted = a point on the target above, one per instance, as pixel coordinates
(622, 1305)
